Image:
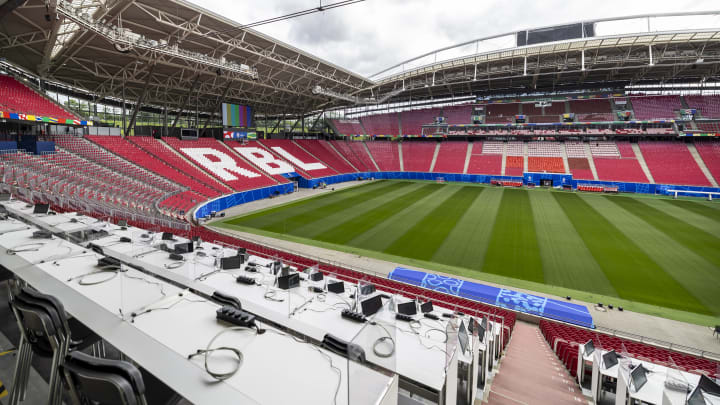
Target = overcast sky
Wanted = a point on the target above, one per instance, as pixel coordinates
(370, 36)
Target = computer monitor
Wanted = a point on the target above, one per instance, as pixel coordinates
(709, 385)
(407, 308)
(371, 305)
(610, 359)
(638, 377)
(426, 307)
(337, 287)
(463, 337)
(167, 236)
(230, 263)
(589, 347)
(41, 208)
(182, 248)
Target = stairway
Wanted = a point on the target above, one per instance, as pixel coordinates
(468, 156)
(591, 161)
(531, 373)
(641, 160)
(701, 164)
(563, 152)
(357, 169)
(377, 168)
(402, 164)
(504, 157)
(435, 155)
(525, 157)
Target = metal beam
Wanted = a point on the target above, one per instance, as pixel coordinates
(140, 100)
(187, 99)
(217, 105)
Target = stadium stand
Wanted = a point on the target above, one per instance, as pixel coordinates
(451, 157)
(355, 153)
(545, 157)
(413, 120)
(655, 107)
(322, 150)
(385, 154)
(580, 168)
(708, 106)
(563, 340)
(156, 162)
(348, 127)
(514, 165)
(672, 163)
(249, 179)
(596, 109)
(713, 127)
(381, 124)
(418, 155)
(254, 144)
(18, 98)
(458, 114)
(486, 158)
(501, 113)
(547, 114)
(299, 153)
(616, 162)
(710, 154)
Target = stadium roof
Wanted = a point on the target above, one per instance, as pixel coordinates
(60, 42)
(175, 53)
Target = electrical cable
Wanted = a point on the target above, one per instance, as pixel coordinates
(25, 247)
(216, 375)
(381, 340)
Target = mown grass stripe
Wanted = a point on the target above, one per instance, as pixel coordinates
(698, 208)
(706, 224)
(304, 217)
(467, 244)
(695, 239)
(279, 213)
(633, 274)
(513, 250)
(424, 238)
(396, 219)
(567, 262)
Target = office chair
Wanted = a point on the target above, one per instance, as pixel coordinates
(95, 380)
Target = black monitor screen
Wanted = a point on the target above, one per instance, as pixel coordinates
(371, 305)
(229, 263)
(610, 359)
(122, 222)
(696, 398)
(426, 307)
(638, 377)
(337, 287)
(589, 348)
(708, 385)
(41, 208)
(407, 308)
(167, 236)
(182, 248)
(481, 332)
(463, 337)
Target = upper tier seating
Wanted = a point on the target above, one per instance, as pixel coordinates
(554, 109)
(561, 335)
(545, 149)
(709, 106)
(575, 149)
(413, 120)
(712, 127)
(417, 156)
(15, 97)
(543, 119)
(489, 147)
(324, 151)
(348, 127)
(156, 162)
(655, 107)
(501, 113)
(458, 114)
(514, 165)
(451, 157)
(514, 148)
(672, 163)
(386, 155)
(356, 154)
(580, 168)
(299, 153)
(597, 109)
(609, 149)
(381, 124)
(545, 164)
(710, 154)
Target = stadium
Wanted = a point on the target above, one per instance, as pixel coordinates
(196, 212)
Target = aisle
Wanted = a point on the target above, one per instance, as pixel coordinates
(531, 374)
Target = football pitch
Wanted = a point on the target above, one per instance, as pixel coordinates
(650, 254)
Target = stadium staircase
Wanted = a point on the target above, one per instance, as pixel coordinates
(531, 374)
(701, 164)
(525, 157)
(563, 153)
(504, 159)
(435, 156)
(366, 148)
(355, 154)
(641, 161)
(591, 161)
(400, 156)
(710, 153)
(468, 154)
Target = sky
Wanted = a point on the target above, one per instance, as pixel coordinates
(373, 35)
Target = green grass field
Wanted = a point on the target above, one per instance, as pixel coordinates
(653, 255)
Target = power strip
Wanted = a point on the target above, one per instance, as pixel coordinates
(235, 316)
(403, 317)
(432, 316)
(353, 316)
(245, 280)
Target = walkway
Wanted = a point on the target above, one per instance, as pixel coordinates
(531, 374)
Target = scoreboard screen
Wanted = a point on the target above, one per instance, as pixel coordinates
(236, 116)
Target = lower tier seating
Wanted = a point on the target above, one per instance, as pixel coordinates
(514, 165)
(619, 169)
(710, 154)
(385, 154)
(356, 154)
(545, 164)
(451, 157)
(580, 168)
(672, 163)
(418, 155)
(324, 151)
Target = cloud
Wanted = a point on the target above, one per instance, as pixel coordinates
(370, 36)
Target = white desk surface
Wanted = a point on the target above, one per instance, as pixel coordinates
(182, 329)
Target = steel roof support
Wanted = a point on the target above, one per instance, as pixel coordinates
(186, 101)
(140, 100)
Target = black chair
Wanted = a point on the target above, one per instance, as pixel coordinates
(108, 382)
(717, 331)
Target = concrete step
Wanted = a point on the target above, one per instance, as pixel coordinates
(377, 168)
(467, 157)
(591, 161)
(701, 163)
(402, 165)
(525, 157)
(435, 155)
(504, 156)
(563, 152)
(641, 160)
